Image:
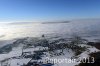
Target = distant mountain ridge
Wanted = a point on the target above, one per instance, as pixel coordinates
(55, 22)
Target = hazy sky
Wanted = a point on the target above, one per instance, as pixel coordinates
(45, 10)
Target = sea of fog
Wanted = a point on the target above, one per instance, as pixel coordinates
(17, 30)
(85, 28)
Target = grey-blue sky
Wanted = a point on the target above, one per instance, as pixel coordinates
(45, 10)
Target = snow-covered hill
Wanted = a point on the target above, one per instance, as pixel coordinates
(26, 50)
(20, 43)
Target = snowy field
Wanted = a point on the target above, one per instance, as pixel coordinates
(14, 58)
